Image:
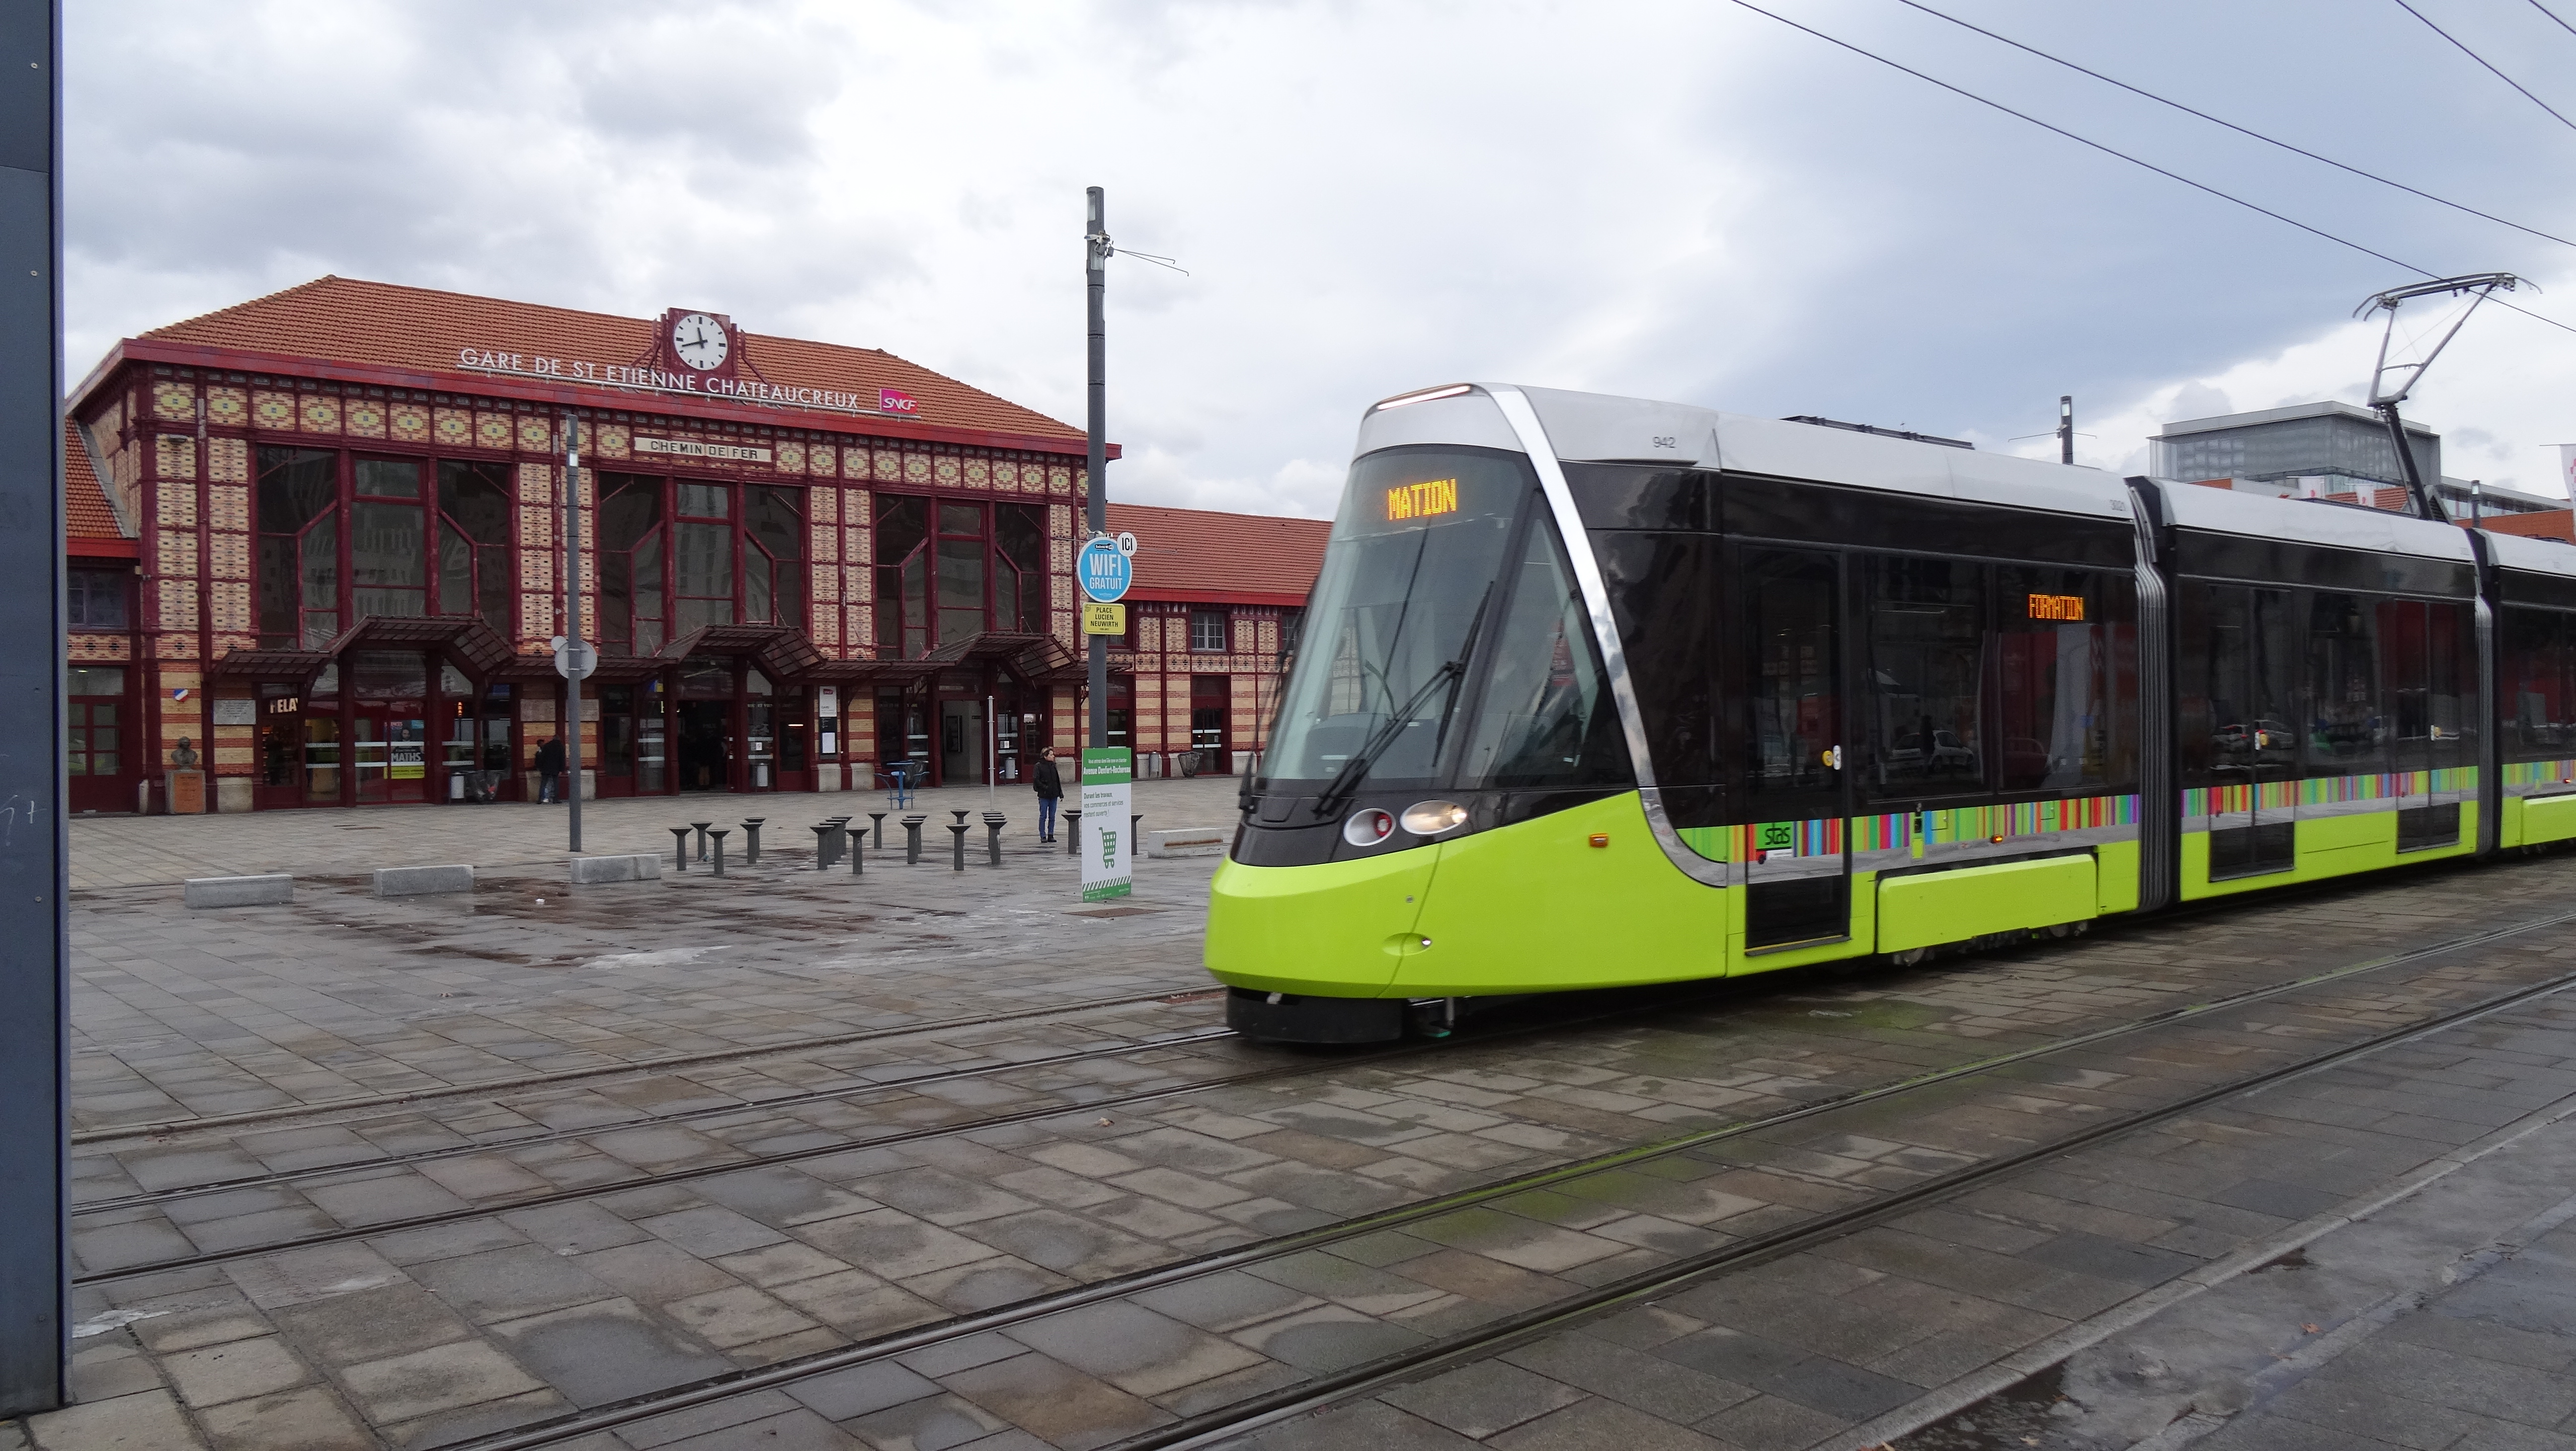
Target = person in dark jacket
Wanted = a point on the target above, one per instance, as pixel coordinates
(1050, 788)
(550, 765)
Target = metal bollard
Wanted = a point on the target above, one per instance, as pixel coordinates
(994, 821)
(751, 840)
(1133, 840)
(957, 832)
(858, 853)
(680, 847)
(960, 813)
(879, 818)
(702, 837)
(912, 840)
(822, 846)
(1073, 833)
(840, 835)
(720, 834)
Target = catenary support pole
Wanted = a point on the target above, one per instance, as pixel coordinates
(34, 998)
(1095, 248)
(572, 622)
(2066, 428)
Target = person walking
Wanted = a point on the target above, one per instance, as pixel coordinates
(550, 765)
(1049, 785)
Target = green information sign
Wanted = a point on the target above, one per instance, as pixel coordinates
(1108, 857)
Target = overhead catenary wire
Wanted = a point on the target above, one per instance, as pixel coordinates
(2113, 151)
(2552, 14)
(2482, 60)
(2246, 131)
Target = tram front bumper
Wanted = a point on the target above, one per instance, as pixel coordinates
(1337, 929)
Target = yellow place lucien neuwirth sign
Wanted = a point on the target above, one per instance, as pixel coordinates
(2057, 607)
(1104, 619)
(1421, 501)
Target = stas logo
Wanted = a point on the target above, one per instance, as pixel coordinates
(1406, 502)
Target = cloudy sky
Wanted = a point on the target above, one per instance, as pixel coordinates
(1687, 201)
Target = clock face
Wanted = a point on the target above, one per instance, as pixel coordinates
(699, 341)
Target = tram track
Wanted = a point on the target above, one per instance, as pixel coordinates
(636, 1067)
(1312, 1393)
(1181, 1088)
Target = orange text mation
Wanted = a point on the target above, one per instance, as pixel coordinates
(1421, 501)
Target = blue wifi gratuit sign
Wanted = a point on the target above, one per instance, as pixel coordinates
(1104, 569)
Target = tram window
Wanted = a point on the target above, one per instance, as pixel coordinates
(2536, 691)
(2066, 667)
(2424, 719)
(2346, 734)
(1787, 609)
(1544, 715)
(1664, 593)
(1926, 653)
(1631, 496)
(2236, 685)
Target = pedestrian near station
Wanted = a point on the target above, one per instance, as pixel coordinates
(1049, 784)
(550, 766)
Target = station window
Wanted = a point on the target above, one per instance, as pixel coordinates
(949, 570)
(94, 599)
(1207, 630)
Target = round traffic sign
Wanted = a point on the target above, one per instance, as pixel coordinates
(1127, 544)
(1104, 570)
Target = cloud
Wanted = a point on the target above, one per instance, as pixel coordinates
(1671, 199)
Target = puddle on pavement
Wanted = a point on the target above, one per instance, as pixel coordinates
(2026, 1413)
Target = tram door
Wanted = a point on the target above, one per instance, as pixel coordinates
(2254, 743)
(1798, 872)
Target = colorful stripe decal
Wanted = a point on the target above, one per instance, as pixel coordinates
(2539, 773)
(1894, 832)
(2327, 791)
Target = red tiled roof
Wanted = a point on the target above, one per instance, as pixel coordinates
(2558, 524)
(86, 512)
(1212, 558)
(375, 323)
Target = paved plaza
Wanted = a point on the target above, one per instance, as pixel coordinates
(916, 1159)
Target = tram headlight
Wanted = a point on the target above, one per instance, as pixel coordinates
(1368, 827)
(1430, 818)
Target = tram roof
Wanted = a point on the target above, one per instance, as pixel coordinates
(2534, 556)
(1604, 428)
(2308, 521)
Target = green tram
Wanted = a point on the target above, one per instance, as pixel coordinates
(1800, 693)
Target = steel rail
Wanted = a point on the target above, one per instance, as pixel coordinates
(1257, 1412)
(928, 1075)
(171, 1128)
(1262, 1410)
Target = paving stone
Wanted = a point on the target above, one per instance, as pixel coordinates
(861, 1389)
(604, 1351)
(370, 1324)
(311, 1419)
(1133, 1348)
(935, 1423)
(443, 1378)
(504, 1284)
(146, 1421)
(1482, 1398)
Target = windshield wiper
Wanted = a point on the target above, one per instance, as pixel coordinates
(1451, 673)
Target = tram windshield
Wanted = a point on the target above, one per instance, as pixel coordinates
(1420, 568)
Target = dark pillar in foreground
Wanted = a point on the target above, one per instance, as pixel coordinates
(34, 995)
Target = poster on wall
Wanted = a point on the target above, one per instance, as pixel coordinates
(406, 760)
(1108, 857)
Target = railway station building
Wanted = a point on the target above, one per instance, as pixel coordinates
(318, 538)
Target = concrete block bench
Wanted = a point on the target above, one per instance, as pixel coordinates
(589, 870)
(267, 891)
(422, 881)
(1173, 841)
